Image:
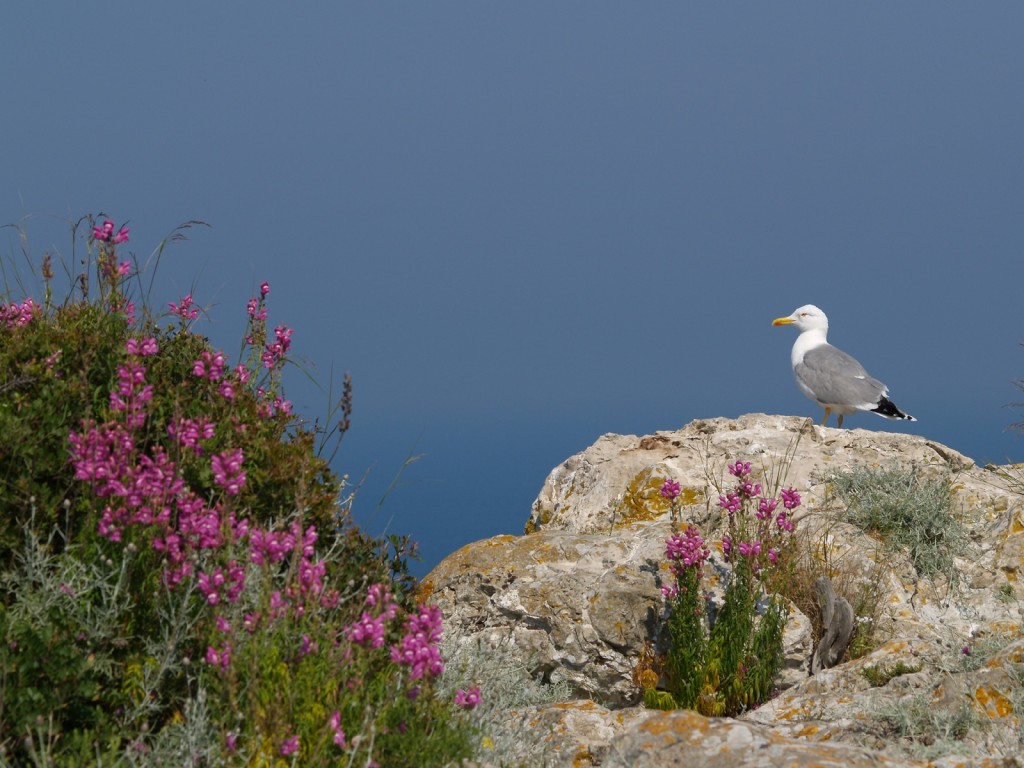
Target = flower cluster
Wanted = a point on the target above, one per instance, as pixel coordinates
(104, 233)
(188, 432)
(418, 648)
(725, 666)
(368, 631)
(18, 315)
(132, 394)
(759, 541)
(184, 310)
(686, 553)
(275, 351)
(210, 365)
(337, 735)
(228, 472)
(687, 549)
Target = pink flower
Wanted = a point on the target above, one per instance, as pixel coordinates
(749, 489)
(740, 469)
(334, 724)
(264, 289)
(219, 657)
(276, 351)
(184, 310)
(790, 498)
(367, 631)
(765, 507)
(671, 489)
(418, 648)
(687, 548)
(730, 503)
(748, 549)
(18, 315)
(468, 699)
(228, 472)
(290, 746)
(105, 233)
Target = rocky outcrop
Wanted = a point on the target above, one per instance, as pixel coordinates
(578, 599)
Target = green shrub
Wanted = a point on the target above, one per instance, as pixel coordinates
(179, 583)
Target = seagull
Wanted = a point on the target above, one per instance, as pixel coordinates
(829, 376)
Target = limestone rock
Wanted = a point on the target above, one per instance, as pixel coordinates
(578, 600)
(615, 481)
(576, 733)
(683, 738)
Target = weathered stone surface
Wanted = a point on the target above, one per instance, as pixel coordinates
(579, 599)
(576, 733)
(615, 481)
(684, 739)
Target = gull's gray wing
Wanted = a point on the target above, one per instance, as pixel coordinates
(836, 378)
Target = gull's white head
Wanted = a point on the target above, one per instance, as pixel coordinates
(806, 318)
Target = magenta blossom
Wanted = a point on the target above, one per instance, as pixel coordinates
(740, 469)
(749, 489)
(105, 233)
(334, 724)
(228, 472)
(687, 548)
(290, 746)
(418, 648)
(749, 549)
(18, 315)
(730, 503)
(184, 310)
(790, 498)
(671, 489)
(469, 699)
(765, 507)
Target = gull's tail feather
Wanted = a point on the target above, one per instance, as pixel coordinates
(887, 408)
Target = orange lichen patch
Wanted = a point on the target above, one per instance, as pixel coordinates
(582, 705)
(992, 702)
(799, 712)
(680, 721)
(1017, 526)
(1010, 630)
(423, 591)
(807, 731)
(584, 758)
(499, 541)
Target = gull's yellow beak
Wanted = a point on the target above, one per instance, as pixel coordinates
(783, 321)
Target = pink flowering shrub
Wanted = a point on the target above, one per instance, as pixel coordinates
(192, 511)
(725, 666)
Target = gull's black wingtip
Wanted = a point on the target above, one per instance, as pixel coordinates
(887, 409)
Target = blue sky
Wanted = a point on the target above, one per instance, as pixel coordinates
(523, 225)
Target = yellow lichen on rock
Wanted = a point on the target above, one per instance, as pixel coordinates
(642, 500)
